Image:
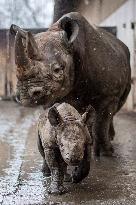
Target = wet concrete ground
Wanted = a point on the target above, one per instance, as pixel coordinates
(111, 181)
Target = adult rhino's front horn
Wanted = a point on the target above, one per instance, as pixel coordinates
(25, 49)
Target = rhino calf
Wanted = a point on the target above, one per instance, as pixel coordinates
(64, 139)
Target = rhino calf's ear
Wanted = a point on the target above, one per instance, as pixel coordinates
(54, 116)
(71, 29)
(89, 114)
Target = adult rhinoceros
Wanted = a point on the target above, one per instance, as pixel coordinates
(77, 63)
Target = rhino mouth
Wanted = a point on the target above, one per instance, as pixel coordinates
(30, 102)
(38, 101)
(72, 160)
(34, 101)
(29, 95)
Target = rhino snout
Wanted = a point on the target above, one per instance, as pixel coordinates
(73, 158)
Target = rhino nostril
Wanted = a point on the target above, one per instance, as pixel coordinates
(36, 93)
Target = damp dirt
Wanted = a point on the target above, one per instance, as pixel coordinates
(112, 180)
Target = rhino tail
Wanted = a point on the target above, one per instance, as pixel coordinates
(124, 96)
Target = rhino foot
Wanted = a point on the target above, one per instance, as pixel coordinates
(79, 174)
(45, 169)
(111, 132)
(76, 177)
(46, 174)
(108, 151)
(57, 190)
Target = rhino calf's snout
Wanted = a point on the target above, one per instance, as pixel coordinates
(75, 162)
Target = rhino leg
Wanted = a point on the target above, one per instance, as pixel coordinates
(111, 131)
(67, 177)
(58, 168)
(83, 169)
(101, 141)
(104, 118)
(45, 168)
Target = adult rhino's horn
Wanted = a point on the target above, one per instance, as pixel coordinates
(32, 48)
(21, 59)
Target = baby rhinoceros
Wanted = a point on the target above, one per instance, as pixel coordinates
(64, 139)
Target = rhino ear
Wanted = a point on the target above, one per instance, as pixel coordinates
(71, 29)
(89, 115)
(54, 116)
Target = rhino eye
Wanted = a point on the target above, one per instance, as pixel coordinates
(58, 69)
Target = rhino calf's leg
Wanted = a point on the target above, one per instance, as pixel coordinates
(45, 168)
(83, 169)
(58, 168)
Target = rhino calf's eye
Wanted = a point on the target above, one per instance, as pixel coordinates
(58, 69)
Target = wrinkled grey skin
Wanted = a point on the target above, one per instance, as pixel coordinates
(64, 139)
(77, 63)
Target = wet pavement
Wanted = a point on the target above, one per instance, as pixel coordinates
(112, 180)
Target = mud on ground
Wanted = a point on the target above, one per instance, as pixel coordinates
(112, 180)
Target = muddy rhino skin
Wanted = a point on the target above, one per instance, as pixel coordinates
(64, 139)
(77, 63)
